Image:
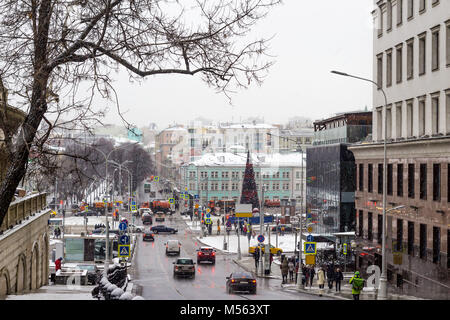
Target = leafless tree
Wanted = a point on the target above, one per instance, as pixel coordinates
(48, 48)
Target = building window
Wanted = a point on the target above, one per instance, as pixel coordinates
(361, 177)
(380, 228)
(398, 120)
(422, 53)
(436, 244)
(423, 181)
(390, 176)
(421, 116)
(400, 179)
(411, 180)
(370, 177)
(389, 68)
(423, 241)
(389, 15)
(361, 224)
(448, 182)
(409, 118)
(399, 62)
(380, 123)
(380, 178)
(447, 36)
(297, 186)
(399, 235)
(435, 3)
(369, 226)
(380, 70)
(411, 238)
(381, 23)
(410, 59)
(410, 9)
(389, 122)
(422, 6)
(435, 48)
(435, 114)
(399, 12)
(448, 248)
(436, 182)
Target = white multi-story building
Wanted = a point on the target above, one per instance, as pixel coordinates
(411, 63)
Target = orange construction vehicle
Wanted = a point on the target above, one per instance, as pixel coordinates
(272, 203)
(159, 205)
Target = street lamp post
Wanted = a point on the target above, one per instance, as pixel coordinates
(383, 279)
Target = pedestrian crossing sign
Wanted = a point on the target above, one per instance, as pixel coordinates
(171, 200)
(124, 250)
(310, 248)
(156, 178)
(208, 221)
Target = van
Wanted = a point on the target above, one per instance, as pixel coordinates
(173, 247)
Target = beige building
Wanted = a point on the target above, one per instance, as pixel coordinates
(411, 62)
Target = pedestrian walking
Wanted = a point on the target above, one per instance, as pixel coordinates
(282, 230)
(330, 276)
(284, 270)
(321, 280)
(291, 267)
(218, 228)
(338, 277)
(357, 285)
(312, 273)
(256, 257)
(270, 262)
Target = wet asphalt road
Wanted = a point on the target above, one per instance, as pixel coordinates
(153, 272)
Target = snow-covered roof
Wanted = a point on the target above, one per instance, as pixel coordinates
(249, 126)
(231, 159)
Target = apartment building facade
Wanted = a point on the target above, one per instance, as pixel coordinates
(411, 62)
(220, 175)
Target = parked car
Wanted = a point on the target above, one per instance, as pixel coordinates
(184, 266)
(241, 281)
(92, 272)
(163, 229)
(147, 235)
(273, 250)
(173, 247)
(206, 254)
(89, 213)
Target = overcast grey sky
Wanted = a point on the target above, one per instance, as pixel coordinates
(311, 38)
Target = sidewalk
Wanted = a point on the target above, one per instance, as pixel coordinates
(248, 264)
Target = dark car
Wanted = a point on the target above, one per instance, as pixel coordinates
(84, 213)
(160, 216)
(184, 266)
(147, 219)
(162, 229)
(206, 254)
(241, 281)
(148, 236)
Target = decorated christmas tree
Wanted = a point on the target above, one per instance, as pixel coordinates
(249, 193)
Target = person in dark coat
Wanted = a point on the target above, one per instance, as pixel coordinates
(338, 277)
(312, 273)
(330, 276)
(256, 256)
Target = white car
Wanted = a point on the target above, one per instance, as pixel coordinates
(136, 229)
(173, 247)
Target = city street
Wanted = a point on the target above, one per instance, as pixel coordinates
(153, 272)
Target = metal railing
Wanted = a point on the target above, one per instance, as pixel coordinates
(21, 208)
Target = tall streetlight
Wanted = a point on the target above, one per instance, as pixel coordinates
(106, 156)
(383, 279)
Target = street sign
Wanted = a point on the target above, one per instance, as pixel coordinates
(156, 179)
(123, 250)
(344, 248)
(208, 210)
(133, 208)
(244, 210)
(309, 229)
(309, 216)
(196, 206)
(171, 200)
(86, 209)
(124, 239)
(185, 189)
(260, 238)
(310, 248)
(195, 196)
(208, 215)
(133, 203)
(208, 221)
(310, 259)
(309, 238)
(122, 226)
